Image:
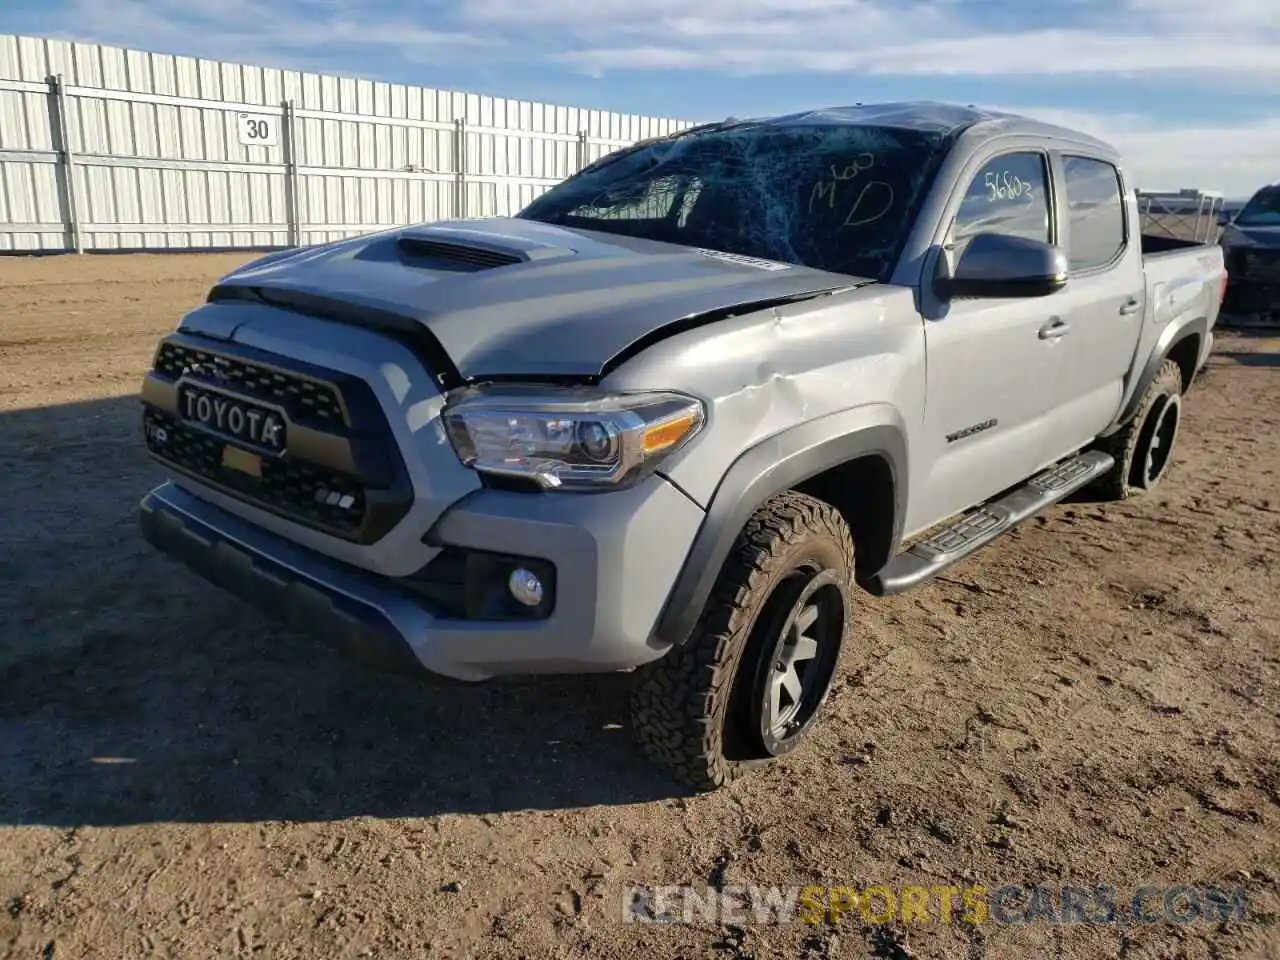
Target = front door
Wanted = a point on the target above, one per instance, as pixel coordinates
(994, 366)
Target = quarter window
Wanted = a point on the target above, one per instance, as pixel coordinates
(1096, 212)
(1008, 196)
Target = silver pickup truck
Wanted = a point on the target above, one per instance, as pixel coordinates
(668, 417)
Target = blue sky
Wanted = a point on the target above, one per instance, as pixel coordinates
(1190, 89)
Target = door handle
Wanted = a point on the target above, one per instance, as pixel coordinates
(1129, 306)
(1055, 328)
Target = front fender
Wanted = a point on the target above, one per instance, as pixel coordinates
(779, 463)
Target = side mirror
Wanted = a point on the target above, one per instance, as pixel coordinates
(1004, 266)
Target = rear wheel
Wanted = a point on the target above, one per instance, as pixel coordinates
(1144, 448)
(753, 678)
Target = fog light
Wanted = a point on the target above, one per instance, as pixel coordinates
(525, 586)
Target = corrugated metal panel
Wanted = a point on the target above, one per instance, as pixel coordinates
(154, 147)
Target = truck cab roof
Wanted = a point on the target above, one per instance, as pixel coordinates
(923, 115)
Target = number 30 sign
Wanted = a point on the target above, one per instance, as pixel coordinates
(257, 130)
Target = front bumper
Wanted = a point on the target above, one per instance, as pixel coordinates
(616, 557)
(1252, 298)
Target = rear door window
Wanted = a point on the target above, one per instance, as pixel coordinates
(1096, 212)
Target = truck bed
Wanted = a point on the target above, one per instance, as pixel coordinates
(1182, 277)
(1158, 245)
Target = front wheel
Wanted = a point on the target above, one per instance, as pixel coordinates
(754, 676)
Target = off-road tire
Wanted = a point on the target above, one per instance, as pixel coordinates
(1129, 445)
(686, 707)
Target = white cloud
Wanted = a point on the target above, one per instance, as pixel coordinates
(251, 31)
(1219, 16)
(1233, 40)
(1228, 42)
(1032, 53)
(1231, 45)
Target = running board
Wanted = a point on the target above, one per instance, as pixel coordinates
(975, 530)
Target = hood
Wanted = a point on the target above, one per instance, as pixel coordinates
(1250, 236)
(510, 297)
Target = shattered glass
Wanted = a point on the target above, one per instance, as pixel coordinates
(833, 196)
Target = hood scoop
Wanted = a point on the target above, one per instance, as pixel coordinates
(465, 256)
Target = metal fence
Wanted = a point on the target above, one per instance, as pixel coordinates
(108, 148)
(1186, 214)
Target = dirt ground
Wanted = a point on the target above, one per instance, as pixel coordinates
(1093, 700)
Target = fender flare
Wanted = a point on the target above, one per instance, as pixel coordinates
(1169, 338)
(772, 466)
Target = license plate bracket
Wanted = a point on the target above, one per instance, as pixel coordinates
(244, 461)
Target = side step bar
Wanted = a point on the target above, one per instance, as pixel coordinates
(975, 530)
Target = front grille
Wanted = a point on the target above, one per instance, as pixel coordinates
(1260, 265)
(341, 471)
(1253, 282)
(1251, 297)
(476, 257)
(303, 399)
(300, 491)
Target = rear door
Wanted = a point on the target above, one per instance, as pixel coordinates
(1102, 303)
(993, 367)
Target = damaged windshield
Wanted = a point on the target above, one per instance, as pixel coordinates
(838, 197)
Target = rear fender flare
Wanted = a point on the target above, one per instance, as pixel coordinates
(772, 466)
(1169, 338)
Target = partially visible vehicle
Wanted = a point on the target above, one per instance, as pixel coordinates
(1251, 248)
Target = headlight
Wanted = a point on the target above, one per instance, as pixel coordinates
(568, 438)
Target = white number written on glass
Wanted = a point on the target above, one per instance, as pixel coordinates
(1003, 185)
